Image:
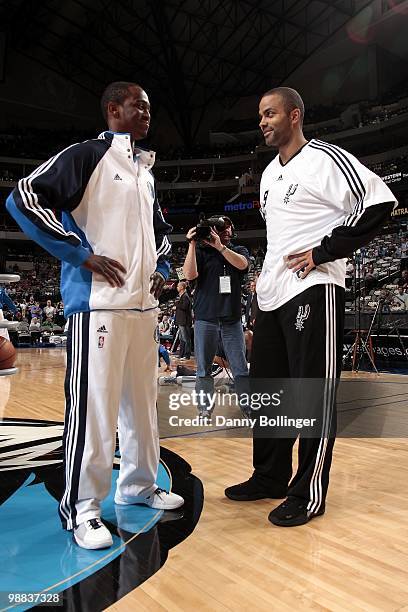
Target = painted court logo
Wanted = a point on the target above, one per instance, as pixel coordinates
(31, 470)
(302, 314)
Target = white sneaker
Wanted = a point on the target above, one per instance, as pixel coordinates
(159, 500)
(93, 534)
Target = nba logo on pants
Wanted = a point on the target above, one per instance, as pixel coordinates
(101, 341)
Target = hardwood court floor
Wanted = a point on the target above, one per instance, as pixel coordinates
(353, 558)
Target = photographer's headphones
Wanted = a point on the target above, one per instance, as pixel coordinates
(225, 219)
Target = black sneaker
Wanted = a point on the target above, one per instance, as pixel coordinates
(250, 491)
(293, 512)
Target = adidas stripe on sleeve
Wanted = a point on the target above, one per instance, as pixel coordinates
(366, 199)
(56, 185)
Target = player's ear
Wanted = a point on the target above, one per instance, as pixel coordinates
(113, 109)
(295, 115)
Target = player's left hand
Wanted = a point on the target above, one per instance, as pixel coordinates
(301, 263)
(215, 241)
(157, 284)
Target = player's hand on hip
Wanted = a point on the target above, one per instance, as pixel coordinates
(157, 284)
(110, 269)
(300, 263)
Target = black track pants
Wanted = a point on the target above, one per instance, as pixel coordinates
(301, 339)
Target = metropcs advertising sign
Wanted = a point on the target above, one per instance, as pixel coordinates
(254, 204)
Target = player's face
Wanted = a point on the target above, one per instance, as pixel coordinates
(134, 113)
(274, 122)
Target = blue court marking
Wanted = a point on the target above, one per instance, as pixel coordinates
(37, 555)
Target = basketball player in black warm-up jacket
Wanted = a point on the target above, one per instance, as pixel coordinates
(320, 204)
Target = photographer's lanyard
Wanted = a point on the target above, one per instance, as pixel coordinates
(225, 282)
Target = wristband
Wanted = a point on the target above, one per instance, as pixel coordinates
(224, 248)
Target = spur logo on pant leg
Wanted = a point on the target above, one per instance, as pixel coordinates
(302, 314)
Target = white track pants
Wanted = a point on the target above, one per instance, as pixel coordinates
(111, 381)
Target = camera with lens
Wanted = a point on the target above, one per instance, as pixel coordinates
(203, 228)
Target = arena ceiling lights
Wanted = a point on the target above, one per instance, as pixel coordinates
(186, 53)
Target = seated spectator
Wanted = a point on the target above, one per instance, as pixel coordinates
(400, 301)
(49, 310)
(48, 324)
(35, 310)
(370, 277)
(35, 324)
(164, 326)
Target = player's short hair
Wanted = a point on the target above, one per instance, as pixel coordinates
(115, 92)
(291, 99)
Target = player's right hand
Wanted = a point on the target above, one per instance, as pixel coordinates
(108, 268)
(191, 234)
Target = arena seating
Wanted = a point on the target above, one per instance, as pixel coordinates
(382, 261)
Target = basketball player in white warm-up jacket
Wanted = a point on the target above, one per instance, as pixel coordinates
(112, 240)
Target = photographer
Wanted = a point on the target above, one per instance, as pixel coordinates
(218, 267)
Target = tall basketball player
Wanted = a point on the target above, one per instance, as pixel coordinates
(320, 204)
(112, 240)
